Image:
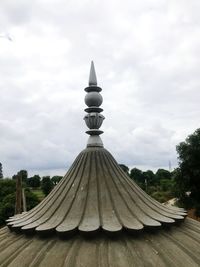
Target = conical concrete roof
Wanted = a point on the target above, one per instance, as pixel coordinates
(175, 246)
(96, 194)
(98, 216)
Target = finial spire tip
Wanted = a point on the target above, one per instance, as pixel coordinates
(93, 77)
(93, 119)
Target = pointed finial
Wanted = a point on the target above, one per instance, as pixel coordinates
(93, 119)
(93, 77)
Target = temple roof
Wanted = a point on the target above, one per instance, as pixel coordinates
(177, 246)
(96, 199)
(96, 194)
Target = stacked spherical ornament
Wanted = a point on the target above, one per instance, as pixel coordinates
(93, 119)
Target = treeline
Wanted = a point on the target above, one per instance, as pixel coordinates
(8, 196)
(35, 188)
(160, 185)
(46, 183)
(182, 183)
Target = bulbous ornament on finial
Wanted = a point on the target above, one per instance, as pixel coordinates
(93, 99)
(93, 119)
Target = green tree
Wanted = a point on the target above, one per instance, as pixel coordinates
(149, 176)
(1, 171)
(23, 174)
(7, 186)
(138, 176)
(7, 199)
(31, 199)
(34, 181)
(47, 185)
(56, 179)
(166, 185)
(162, 174)
(124, 168)
(187, 176)
(7, 207)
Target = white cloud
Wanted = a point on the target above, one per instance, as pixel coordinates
(147, 60)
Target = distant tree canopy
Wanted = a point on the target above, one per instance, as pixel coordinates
(163, 174)
(56, 179)
(31, 199)
(140, 177)
(187, 176)
(34, 181)
(149, 176)
(7, 186)
(137, 175)
(1, 171)
(7, 199)
(46, 185)
(124, 168)
(23, 174)
(158, 185)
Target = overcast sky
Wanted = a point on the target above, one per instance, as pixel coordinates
(147, 59)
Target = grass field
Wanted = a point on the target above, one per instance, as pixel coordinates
(38, 193)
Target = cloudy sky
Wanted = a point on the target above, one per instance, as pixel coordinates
(147, 59)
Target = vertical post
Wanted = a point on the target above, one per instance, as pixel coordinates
(24, 200)
(18, 204)
(1, 171)
(146, 184)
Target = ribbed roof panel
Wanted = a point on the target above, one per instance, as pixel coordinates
(96, 194)
(174, 246)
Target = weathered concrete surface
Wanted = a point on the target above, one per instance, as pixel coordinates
(176, 246)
